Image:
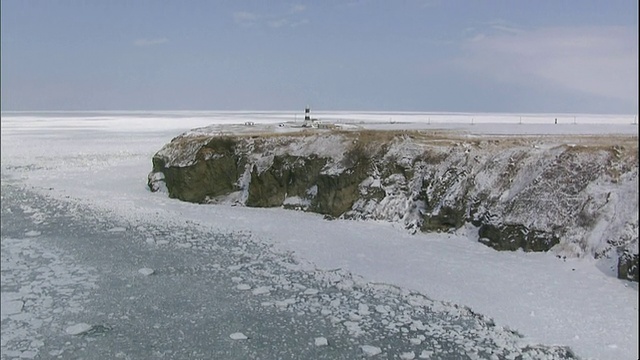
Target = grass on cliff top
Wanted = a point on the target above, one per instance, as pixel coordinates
(623, 144)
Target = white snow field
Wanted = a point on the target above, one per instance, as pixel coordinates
(103, 158)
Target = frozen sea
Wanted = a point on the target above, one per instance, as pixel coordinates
(95, 266)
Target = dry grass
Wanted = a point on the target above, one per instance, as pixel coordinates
(620, 145)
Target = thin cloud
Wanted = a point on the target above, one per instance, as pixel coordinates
(420, 4)
(297, 9)
(503, 26)
(350, 4)
(506, 29)
(277, 23)
(150, 42)
(299, 23)
(245, 18)
(602, 61)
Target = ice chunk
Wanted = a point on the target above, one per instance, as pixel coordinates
(28, 354)
(11, 307)
(146, 271)
(238, 336)
(243, 287)
(261, 290)
(32, 233)
(286, 302)
(382, 309)
(321, 341)
(363, 309)
(408, 355)
(370, 350)
(78, 329)
(310, 291)
(353, 328)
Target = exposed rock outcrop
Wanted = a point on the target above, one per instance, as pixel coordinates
(577, 196)
(628, 266)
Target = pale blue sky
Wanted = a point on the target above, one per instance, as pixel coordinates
(462, 56)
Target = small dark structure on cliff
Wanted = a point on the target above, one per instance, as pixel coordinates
(308, 121)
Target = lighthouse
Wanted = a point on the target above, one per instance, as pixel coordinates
(308, 121)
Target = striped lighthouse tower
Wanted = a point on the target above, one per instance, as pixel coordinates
(307, 116)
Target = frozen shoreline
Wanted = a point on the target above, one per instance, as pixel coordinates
(584, 308)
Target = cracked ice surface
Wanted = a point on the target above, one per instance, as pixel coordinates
(38, 286)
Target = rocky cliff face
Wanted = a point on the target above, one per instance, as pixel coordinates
(576, 196)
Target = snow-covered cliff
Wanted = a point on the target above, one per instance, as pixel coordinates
(574, 195)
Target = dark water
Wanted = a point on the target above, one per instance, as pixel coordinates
(68, 264)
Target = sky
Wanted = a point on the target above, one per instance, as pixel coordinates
(414, 55)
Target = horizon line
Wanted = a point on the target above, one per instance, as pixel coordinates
(329, 111)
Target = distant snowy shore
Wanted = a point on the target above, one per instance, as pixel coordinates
(102, 160)
(481, 123)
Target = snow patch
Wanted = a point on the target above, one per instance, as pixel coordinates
(238, 336)
(321, 341)
(146, 271)
(370, 350)
(78, 329)
(11, 307)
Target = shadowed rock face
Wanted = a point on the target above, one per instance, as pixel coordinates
(577, 196)
(514, 237)
(208, 178)
(213, 173)
(628, 266)
(287, 176)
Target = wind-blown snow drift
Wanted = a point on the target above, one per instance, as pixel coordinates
(575, 195)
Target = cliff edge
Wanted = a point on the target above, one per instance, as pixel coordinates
(570, 194)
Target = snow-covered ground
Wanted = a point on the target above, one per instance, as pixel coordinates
(102, 160)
